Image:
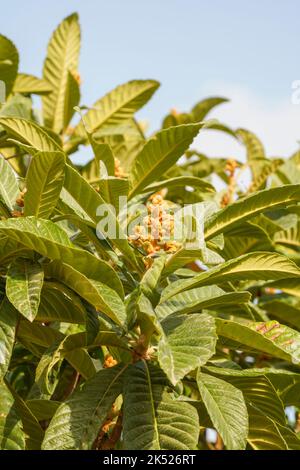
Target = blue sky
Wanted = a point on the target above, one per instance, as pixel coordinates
(246, 50)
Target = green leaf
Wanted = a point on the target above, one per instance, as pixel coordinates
(195, 300)
(44, 182)
(9, 62)
(58, 303)
(11, 433)
(263, 432)
(23, 287)
(61, 61)
(96, 293)
(29, 133)
(257, 390)
(33, 432)
(70, 347)
(284, 310)
(187, 343)
(76, 422)
(250, 206)
(9, 190)
(152, 419)
(269, 337)
(29, 84)
(159, 154)
(118, 106)
(256, 266)
(72, 98)
(90, 201)
(226, 407)
(8, 324)
(179, 181)
(51, 241)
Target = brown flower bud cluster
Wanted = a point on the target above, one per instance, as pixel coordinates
(119, 172)
(109, 361)
(20, 202)
(157, 230)
(230, 168)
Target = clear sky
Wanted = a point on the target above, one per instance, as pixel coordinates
(246, 50)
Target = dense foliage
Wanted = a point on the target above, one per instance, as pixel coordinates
(126, 339)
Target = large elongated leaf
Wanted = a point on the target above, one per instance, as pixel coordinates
(187, 343)
(9, 62)
(28, 84)
(9, 190)
(44, 181)
(118, 106)
(227, 409)
(257, 266)
(91, 202)
(269, 337)
(23, 287)
(62, 59)
(101, 296)
(152, 419)
(76, 423)
(29, 133)
(58, 303)
(8, 323)
(194, 300)
(51, 241)
(251, 206)
(33, 432)
(257, 390)
(159, 154)
(11, 433)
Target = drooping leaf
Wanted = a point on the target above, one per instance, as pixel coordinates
(250, 206)
(29, 133)
(269, 337)
(227, 409)
(259, 265)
